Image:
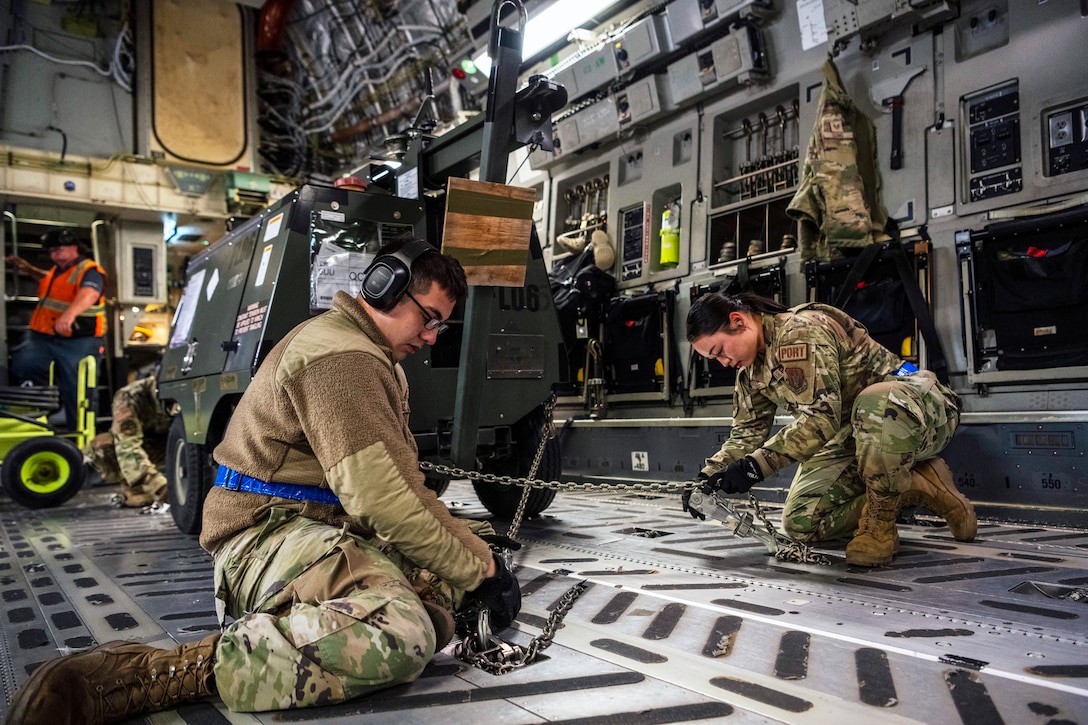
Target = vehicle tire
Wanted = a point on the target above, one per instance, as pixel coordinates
(502, 500)
(438, 485)
(43, 471)
(190, 473)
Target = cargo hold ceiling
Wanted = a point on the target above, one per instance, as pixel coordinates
(336, 77)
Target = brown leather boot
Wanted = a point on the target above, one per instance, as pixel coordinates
(113, 682)
(877, 538)
(931, 485)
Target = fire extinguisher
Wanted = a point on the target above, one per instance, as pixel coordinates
(670, 235)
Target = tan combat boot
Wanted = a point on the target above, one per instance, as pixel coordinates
(134, 498)
(113, 682)
(150, 489)
(158, 487)
(931, 485)
(877, 538)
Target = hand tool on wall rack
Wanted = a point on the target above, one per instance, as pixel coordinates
(591, 218)
(795, 150)
(781, 177)
(571, 221)
(762, 183)
(747, 167)
(888, 94)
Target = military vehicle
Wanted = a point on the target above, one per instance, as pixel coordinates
(268, 275)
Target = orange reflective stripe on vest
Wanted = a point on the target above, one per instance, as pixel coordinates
(57, 291)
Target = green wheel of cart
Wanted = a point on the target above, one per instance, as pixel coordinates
(42, 472)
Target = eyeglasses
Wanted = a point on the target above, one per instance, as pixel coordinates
(430, 322)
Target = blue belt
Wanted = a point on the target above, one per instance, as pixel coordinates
(233, 481)
(905, 369)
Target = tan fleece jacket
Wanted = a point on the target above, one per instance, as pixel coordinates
(329, 407)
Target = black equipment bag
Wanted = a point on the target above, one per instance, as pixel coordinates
(879, 288)
(634, 345)
(1031, 283)
(580, 290)
(878, 300)
(882, 306)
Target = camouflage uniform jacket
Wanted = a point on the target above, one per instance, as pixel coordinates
(329, 407)
(839, 193)
(816, 361)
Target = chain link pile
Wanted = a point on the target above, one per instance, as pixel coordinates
(499, 657)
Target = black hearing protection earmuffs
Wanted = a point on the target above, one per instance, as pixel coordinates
(388, 276)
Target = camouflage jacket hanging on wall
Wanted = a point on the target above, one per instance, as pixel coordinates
(838, 199)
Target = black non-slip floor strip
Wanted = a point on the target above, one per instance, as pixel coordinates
(400, 698)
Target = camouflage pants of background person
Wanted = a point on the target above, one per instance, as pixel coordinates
(134, 449)
(896, 424)
(321, 616)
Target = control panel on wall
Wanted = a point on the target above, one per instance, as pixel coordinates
(143, 271)
(141, 263)
(993, 129)
(635, 232)
(1065, 132)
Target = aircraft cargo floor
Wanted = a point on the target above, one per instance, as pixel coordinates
(680, 621)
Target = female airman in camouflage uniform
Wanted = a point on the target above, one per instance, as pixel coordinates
(867, 427)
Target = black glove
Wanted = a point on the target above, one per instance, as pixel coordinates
(502, 542)
(685, 496)
(737, 477)
(500, 594)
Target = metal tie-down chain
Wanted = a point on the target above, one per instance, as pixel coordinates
(547, 432)
(487, 652)
(787, 548)
(713, 504)
(483, 650)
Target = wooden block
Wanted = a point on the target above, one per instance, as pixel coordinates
(487, 230)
